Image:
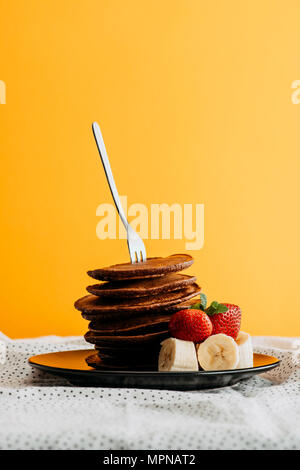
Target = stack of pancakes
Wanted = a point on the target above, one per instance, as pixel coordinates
(129, 312)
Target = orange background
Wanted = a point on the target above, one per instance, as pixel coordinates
(194, 101)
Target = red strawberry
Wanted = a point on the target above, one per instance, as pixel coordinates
(190, 325)
(225, 318)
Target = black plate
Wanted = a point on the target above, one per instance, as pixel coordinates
(72, 366)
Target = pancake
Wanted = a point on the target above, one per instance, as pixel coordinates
(107, 317)
(128, 354)
(134, 330)
(91, 304)
(142, 287)
(129, 312)
(149, 268)
(97, 363)
(128, 324)
(133, 355)
(126, 341)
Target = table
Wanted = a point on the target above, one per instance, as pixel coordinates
(41, 411)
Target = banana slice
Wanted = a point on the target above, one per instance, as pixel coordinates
(177, 355)
(244, 343)
(218, 352)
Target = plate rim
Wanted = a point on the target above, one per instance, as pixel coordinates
(146, 373)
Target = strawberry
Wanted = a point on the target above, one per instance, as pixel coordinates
(225, 318)
(190, 325)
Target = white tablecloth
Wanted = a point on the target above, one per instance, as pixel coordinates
(41, 411)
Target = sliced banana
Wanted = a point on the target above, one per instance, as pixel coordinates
(177, 355)
(218, 352)
(244, 343)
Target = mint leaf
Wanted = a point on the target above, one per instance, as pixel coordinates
(222, 308)
(214, 304)
(215, 307)
(197, 306)
(201, 304)
(203, 300)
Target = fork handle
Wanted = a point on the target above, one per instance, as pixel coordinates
(110, 179)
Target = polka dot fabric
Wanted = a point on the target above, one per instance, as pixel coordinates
(41, 411)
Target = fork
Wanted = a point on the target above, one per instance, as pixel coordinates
(135, 244)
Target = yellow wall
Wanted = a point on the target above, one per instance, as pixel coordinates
(194, 101)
